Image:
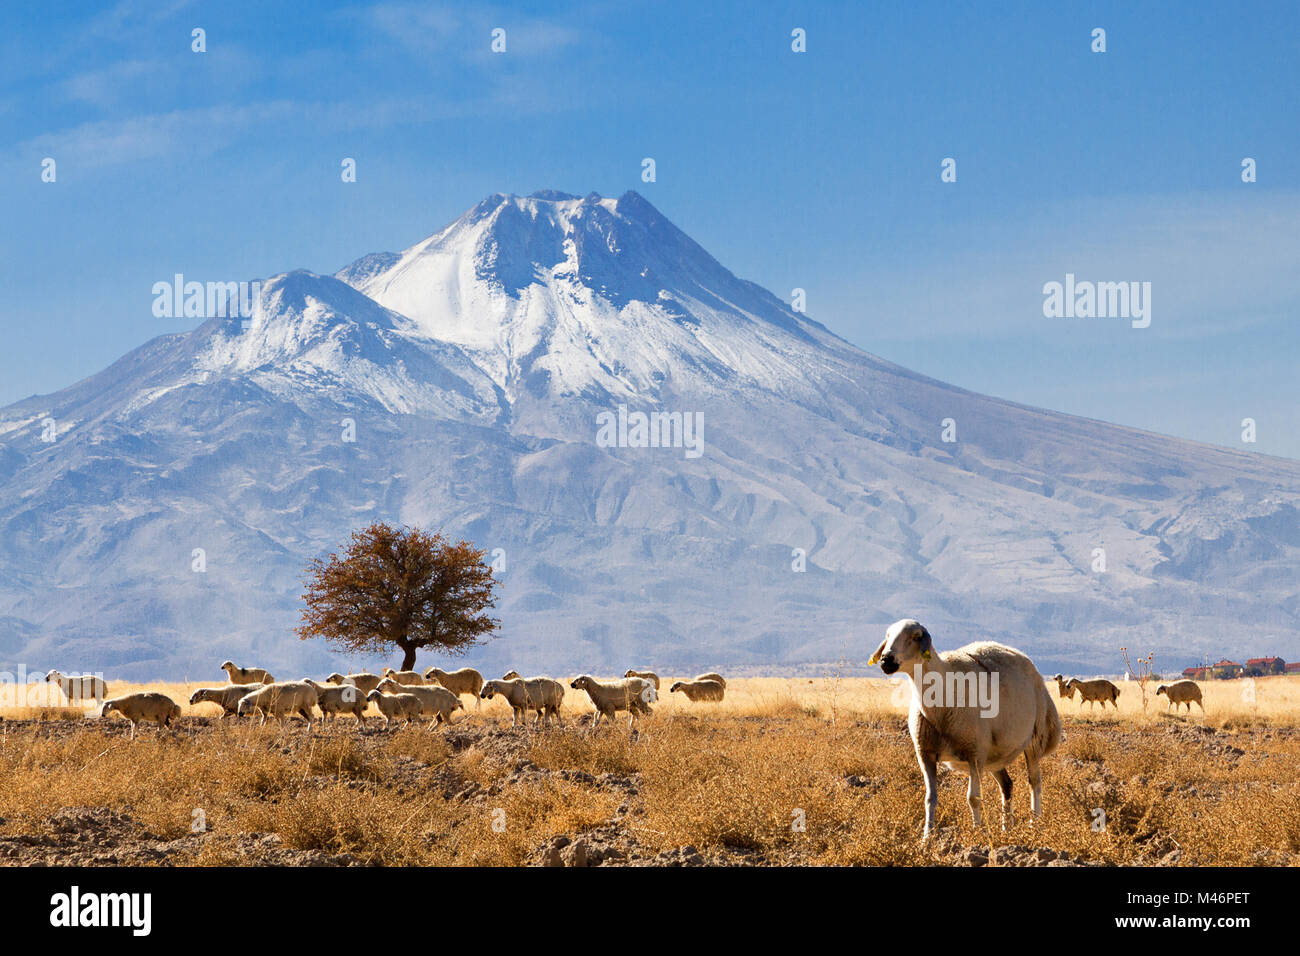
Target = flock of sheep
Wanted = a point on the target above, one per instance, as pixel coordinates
(959, 733)
(397, 695)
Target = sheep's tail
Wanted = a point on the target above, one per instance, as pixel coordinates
(1047, 725)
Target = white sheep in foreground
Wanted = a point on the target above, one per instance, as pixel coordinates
(409, 678)
(246, 675)
(363, 680)
(463, 681)
(651, 676)
(335, 699)
(534, 693)
(227, 696)
(699, 690)
(956, 722)
(711, 676)
(633, 694)
(405, 707)
(1095, 690)
(1182, 692)
(282, 699)
(78, 688)
(141, 707)
(435, 701)
(1064, 687)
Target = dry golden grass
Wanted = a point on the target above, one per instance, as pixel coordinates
(785, 770)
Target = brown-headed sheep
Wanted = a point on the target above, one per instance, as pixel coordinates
(699, 690)
(1095, 690)
(409, 678)
(227, 696)
(459, 682)
(246, 675)
(364, 681)
(405, 707)
(435, 701)
(976, 708)
(633, 694)
(141, 707)
(79, 687)
(534, 693)
(1182, 692)
(1063, 686)
(282, 699)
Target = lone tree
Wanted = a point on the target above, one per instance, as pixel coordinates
(399, 587)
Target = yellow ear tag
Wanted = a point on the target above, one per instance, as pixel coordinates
(925, 654)
(874, 660)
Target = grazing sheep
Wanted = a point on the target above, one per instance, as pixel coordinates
(1182, 692)
(633, 694)
(364, 681)
(464, 681)
(651, 676)
(436, 701)
(137, 708)
(534, 693)
(697, 690)
(1064, 688)
(1095, 690)
(409, 678)
(77, 688)
(283, 699)
(246, 675)
(405, 707)
(335, 699)
(1012, 715)
(227, 695)
(711, 676)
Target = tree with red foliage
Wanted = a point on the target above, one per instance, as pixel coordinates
(400, 587)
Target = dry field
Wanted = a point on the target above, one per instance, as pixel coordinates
(786, 771)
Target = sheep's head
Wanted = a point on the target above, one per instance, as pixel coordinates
(374, 695)
(906, 641)
(1161, 690)
(389, 684)
(488, 691)
(108, 708)
(228, 666)
(245, 706)
(199, 696)
(53, 677)
(677, 685)
(389, 672)
(581, 682)
(335, 678)
(510, 675)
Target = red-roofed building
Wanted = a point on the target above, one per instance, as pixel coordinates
(1265, 666)
(1226, 668)
(1196, 673)
(1293, 668)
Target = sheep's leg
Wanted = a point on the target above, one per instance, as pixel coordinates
(973, 794)
(1004, 784)
(1036, 786)
(929, 769)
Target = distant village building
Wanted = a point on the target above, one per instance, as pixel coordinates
(1225, 669)
(1265, 666)
(1196, 673)
(1293, 668)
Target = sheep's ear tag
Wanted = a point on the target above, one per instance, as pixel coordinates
(874, 660)
(926, 653)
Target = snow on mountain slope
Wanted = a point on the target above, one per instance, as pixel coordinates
(473, 367)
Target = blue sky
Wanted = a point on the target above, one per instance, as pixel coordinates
(817, 170)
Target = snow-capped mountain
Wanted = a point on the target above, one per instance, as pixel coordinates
(468, 383)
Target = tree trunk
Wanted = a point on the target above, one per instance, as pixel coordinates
(408, 658)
